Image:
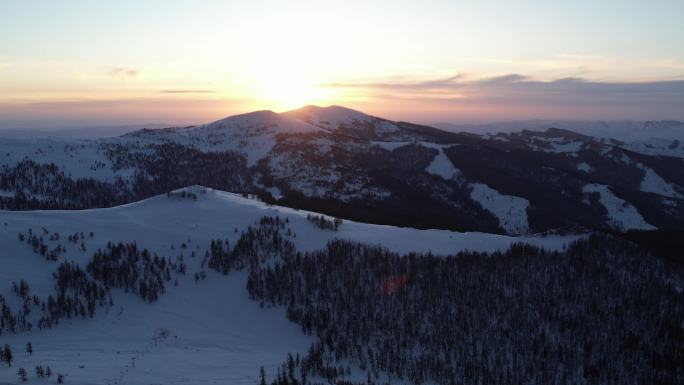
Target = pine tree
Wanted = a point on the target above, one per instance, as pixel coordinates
(7, 355)
(29, 348)
(262, 376)
(22, 375)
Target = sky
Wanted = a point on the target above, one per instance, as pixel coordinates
(91, 62)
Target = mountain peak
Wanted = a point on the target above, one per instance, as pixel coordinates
(254, 115)
(261, 121)
(330, 117)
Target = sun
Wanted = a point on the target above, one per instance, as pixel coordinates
(283, 88)
(287, 94)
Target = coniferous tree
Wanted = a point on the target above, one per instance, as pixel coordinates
(22, 375)
(7, 355)
(262, 376)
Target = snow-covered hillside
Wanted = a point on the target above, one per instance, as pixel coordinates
(353, 165)
(510, 210)
(442, 166)
(330, 117)
(624, 130)
(252, 134)
(334, 118)
(646, 137)
(79, 158)
(621, 215)
(654, 183)
(344, 120)
(205, 332)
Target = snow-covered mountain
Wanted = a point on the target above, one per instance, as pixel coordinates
(345, 120)
(198, 285)
(203, 328)
(665, 137)
(252, 134)
(356, 166)
(624, 130)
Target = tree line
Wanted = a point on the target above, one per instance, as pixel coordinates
(604, 311)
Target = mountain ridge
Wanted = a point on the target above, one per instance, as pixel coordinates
(365, 168)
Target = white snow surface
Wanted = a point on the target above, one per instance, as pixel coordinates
(332, 117)
(622, 215)
(624, 130)
(654, 183)
(78, 158)
(645, 137)
(393, 145)
(206, 333)
(442, 166)
(560, 145)
(510, 210)
(658, 146)
(253, 134)
(585, 167)
(258, 122)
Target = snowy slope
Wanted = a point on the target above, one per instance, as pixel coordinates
(334, 117)
(654, 183)
(332, 153)
(260, 123)
(338, 118)
(624, 130)
(657, 146)
(252, 134)
(206, 333)
(442, 166)
(645, 137)
(78, 158)
(511, 210)
(621, 214)
(330, 117)
(584, 167)
(209, 333)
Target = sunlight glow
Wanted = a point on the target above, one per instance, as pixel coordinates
(287, 94)
(208, 59)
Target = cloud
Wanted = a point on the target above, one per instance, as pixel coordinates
(503, 79)
(180, 110)
(182, 91)
(435, 83)
(526, 97)
(124, 72)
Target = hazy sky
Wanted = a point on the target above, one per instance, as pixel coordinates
(192, 61)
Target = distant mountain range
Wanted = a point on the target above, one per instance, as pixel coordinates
(89, 132)
(345, 163)
(625, 130)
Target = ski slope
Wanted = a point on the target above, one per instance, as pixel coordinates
(197, 333)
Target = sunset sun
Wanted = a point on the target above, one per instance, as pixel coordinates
(286, 95)
(285, 89)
